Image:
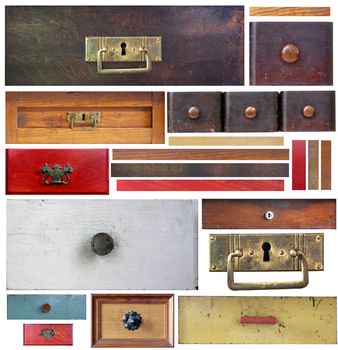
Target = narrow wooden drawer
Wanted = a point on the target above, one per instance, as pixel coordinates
(85, 117)
(133, 320)
(57, 171)
(308, 110)
(197, 45)
(269, 213)
(291, 53)
(194, 112)
(102, 244)
(251, 111)
(257, 320)
(46, 307)
(47, 334)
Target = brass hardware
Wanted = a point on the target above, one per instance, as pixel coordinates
(57, 174)
(47, 333)
(45, 308)
(193, 112)
(250, 112)
(87, 120)
(102, 243)
(290, 53)
(124, 49)
(131, 320)
(269, 215)
(309, 111)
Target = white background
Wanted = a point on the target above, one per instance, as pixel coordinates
(321, 283)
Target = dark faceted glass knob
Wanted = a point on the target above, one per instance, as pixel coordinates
(102, 243)
(132, 320)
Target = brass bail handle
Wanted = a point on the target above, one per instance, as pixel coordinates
(146, 69)
(73, 118)
(268, 285)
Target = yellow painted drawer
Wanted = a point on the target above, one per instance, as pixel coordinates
(257, 320)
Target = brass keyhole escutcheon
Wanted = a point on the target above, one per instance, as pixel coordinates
(290, 53)
(266, 246)
(250, 112)
(309, 111)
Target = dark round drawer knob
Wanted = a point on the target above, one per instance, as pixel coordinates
(131, 320)
(290, 53)
(45, 308)
(250, 112)
(309, 111)
(193, 112)
(102, 243)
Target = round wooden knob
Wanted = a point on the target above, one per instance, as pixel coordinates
(250, 112)
(309, 111)
(193, 112)
(290, 53)
(102, 243)
(45, 308)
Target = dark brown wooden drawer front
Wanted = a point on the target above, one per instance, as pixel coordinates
(251, 111)
(308, 110)
(269, 213)
(291, 53)
(201, 45)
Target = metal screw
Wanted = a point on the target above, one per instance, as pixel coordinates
(213, 267)
(318, 238)
(212, 238)
(158, 39)
(281, 252)
(157, 58)
(318, 267)
(251, 252)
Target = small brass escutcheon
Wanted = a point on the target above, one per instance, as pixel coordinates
(87, 120)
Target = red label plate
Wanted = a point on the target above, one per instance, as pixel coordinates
(48, 334)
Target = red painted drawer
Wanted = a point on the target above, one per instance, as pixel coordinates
(87, 172)
(48, 334)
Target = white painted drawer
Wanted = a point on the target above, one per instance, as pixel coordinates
(49, 244)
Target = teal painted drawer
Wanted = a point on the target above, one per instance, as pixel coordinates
(46, 307)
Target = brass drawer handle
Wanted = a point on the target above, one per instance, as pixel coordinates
(268, 285)
(47, 333)
(131, 320)
(88, 120)
(56, 175)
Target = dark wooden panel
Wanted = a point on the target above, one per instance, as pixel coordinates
(295, 118)
(201, 45)
(238, 118)
(313, 164)
(250, 213)
(314, 64)
(199, 170)
(290, 11)
(326, 165)
(299, 165)
(207, 105)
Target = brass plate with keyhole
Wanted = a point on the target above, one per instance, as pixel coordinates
(124, 49)
(266, 252)
(84, 117)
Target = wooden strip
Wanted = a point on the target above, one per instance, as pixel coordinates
(313, 166)
(199, 170)
(299, 165)
(200, 185)
(11, 115)
(326, 165)
(158, 117)
(97, 136)
(290, 11)
(200, 154)
(226, 141)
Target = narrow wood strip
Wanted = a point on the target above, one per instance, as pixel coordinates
(313, 166)
(290, 11)
(226, 141)
(199, 170)
(158, 117)
(200, 185)
(299, 165)
(11, 115)
(200, 154)
(326, 165)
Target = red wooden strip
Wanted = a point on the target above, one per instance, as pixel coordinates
(299, 165)
(48, 334)
(257, 320)
(200, 185)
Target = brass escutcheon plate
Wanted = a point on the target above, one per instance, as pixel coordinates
(84, 117)
(279, 258)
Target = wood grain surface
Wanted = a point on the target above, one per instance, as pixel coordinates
(250, 213)
(313, 164)
(325, 165)
(199, 170)
(299, 165)
(290, 11)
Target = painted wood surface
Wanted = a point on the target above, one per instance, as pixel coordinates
(326, 165)
(49, 244)
(200, 185)
(199, 170)
(33, 334)
(90, 173)
(287, 213)
(313, 164)
(290, 11)
(299, 165)
(200, 154)
(62, 307)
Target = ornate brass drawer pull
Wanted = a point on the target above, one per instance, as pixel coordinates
(56, 175)
(47, 333)
(87, 120)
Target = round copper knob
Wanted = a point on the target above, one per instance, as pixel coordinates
(290, 53)
(193, 112)
(45, 308)
(309, 111)
(250, 112)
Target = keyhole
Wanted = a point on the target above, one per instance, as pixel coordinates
(83, 117)
(266, 246)
(123, 49)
